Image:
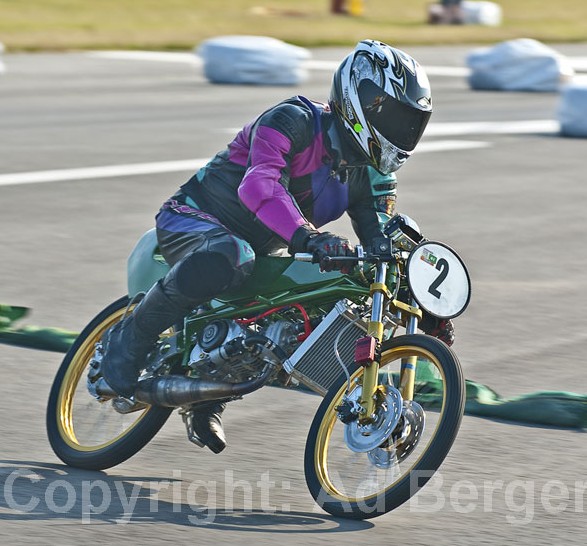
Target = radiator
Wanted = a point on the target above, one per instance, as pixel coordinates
(314, 362)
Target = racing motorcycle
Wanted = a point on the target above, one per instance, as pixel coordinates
(393, 398)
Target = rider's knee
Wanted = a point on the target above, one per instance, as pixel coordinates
(223, 263)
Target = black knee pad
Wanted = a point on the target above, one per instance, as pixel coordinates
(215, 264)
(203, 275)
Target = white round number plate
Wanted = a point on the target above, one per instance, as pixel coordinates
(438, 280)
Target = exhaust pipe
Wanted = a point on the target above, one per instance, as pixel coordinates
(173, 391)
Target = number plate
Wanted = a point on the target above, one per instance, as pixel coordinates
(438, 279)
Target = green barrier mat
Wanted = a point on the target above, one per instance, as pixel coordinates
(546, 408)
(33, 337)
(553, 408)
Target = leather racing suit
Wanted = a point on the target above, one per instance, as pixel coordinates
(283, 170)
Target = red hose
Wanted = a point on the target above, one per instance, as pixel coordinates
(299, 307)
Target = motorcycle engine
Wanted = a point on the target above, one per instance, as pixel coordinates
(210, 359)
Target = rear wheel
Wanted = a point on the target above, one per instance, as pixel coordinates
(361, 472)
(83, 431)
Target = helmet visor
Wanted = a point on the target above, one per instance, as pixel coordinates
(391, 158)
(400, 124)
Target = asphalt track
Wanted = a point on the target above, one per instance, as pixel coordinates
(511, 201)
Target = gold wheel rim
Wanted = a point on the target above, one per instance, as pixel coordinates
(330, 419)
(77, 366)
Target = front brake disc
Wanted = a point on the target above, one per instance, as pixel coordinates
(403, 440)
(362, 438)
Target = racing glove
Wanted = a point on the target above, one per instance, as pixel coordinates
(321, 246)
(442, 329)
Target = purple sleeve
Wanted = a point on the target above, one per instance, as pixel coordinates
(261, 190)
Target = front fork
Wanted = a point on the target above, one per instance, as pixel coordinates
(379, 291)
(408, 366)
(370, 383)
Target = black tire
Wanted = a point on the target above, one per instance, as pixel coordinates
(80, 447)
(321, 466)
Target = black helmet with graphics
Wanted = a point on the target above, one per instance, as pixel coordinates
(381, 100)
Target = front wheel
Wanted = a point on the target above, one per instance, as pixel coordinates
(361, 472)
(88, 433)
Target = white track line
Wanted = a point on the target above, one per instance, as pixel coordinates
(446, 145)
(535, 126)
(191, 58)
(578, 63)
(114, 171)
(466, 128)
(162, 56)
(110, 171)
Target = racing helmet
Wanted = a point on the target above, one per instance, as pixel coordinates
(381, 101)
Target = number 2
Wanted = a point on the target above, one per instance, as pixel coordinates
(442, 266)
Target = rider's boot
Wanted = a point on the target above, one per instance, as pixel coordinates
(127, 344)
(207, 424)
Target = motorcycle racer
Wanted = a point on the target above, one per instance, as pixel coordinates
(296, 167)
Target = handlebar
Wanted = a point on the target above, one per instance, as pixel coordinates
(361, 256)
(307, 257)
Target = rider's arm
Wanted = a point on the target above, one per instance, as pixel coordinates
(370, 193)
(264, 188)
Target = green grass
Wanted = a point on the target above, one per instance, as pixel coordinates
(182, 24)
